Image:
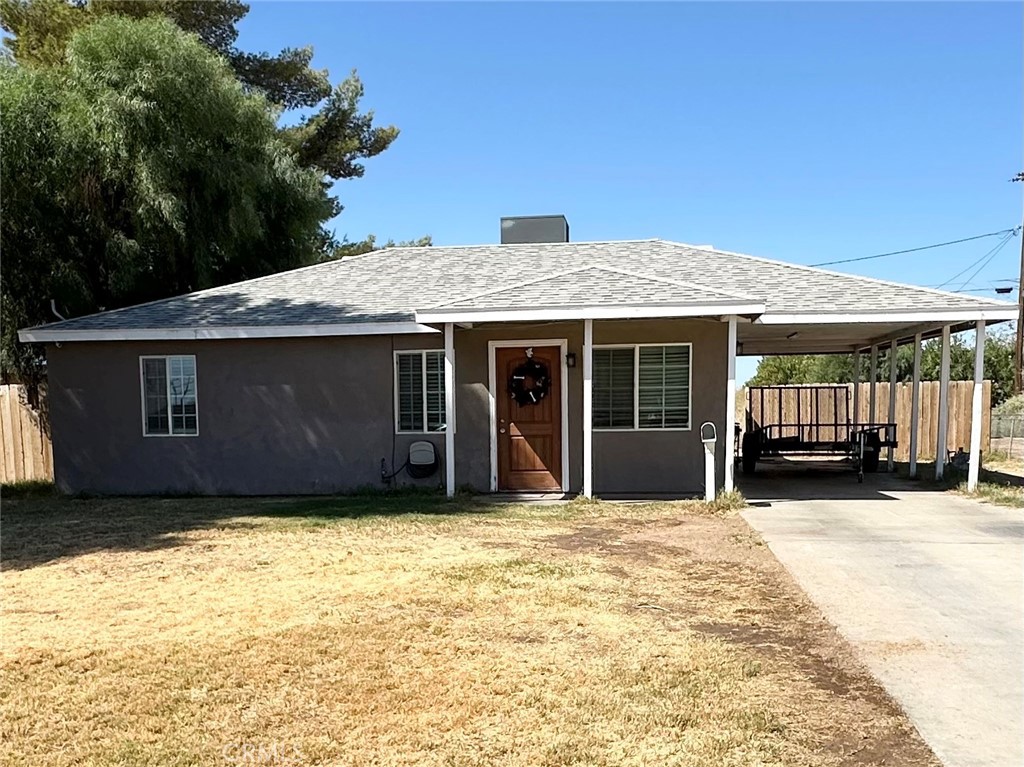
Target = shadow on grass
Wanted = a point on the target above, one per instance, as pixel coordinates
(41, 529)
(953, 477)
(1001, 477)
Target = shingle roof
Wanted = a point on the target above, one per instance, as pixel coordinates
(390, 285)
(593, 286)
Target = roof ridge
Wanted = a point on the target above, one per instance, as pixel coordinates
(819, 270)
(517, 244)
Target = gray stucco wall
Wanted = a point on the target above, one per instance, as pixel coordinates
(667, 461)
(295, 416)
(624, 462)
(282, 416)
(472, 406)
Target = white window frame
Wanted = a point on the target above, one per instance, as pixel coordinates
(423, 380)
(167, 375)
(636, 390)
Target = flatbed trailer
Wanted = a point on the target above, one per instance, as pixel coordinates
(810, 421)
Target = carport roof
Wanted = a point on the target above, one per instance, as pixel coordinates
(400, 290)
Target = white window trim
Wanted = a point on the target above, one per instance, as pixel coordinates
(423, 380)
(167, 375)
(636, 391)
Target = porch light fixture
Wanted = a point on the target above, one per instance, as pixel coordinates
(570, 360)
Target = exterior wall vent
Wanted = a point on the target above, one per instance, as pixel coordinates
(524, 229)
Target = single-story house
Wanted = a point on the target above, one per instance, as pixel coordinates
(536, 364)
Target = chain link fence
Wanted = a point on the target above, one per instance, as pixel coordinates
(1008, 435)
(1007, 426)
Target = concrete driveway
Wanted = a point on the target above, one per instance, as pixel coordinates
(927, 586)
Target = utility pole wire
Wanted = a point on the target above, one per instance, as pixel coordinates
(1018, 348)
(923, 247)
(984, 260)
(987, 261)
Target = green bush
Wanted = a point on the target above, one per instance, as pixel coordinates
(1013, 406)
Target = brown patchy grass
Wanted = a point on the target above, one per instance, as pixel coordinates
(999, 493)
(416, 631)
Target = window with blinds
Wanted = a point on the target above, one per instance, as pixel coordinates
(419, 387)
(642, 387)
(613, 388)
(663, 387)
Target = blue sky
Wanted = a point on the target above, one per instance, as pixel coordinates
(805, 132)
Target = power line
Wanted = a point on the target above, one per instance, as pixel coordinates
(987, 261)
(1003, 291)
(988, 255)
(972, 290)
(990, 286)
(1010, 232)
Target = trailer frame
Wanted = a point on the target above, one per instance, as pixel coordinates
(841, 435)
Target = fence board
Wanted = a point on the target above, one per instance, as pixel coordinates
(29, 449)
(7, 435)
(783, 405)
(25, 449)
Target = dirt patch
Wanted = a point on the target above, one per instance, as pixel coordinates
(612, 635)
(778, 623)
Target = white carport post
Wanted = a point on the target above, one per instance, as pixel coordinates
(915, 405)
(730, 410)
(855, 418)
(892, 396)
(872, 414)
(588, 408)
(449, 409)
(940, 437)
(979, 377)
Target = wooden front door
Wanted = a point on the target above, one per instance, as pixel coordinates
(529, 435)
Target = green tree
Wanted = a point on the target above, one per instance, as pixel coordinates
(139, 169)
(346, 248)
(789, 369)
(838, 368)
(334, 137)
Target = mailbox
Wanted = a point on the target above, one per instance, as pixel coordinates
(709, 435)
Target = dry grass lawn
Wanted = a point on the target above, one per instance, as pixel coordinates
(415, 631)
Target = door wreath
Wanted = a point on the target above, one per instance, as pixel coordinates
(530, 382)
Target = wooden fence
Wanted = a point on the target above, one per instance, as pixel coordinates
(25, 450)
(831, 406)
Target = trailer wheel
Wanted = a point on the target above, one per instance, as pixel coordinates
(872, 451)
(751, 452)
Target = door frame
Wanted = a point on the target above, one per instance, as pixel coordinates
(563, 345)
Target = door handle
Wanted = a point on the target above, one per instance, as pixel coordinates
(501, 431)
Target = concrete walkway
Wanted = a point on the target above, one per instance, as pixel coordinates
(926, 585)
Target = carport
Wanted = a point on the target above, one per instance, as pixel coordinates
(864, 334)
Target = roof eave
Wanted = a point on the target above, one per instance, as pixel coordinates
(45, 334)
(554, 313)
(945, 316)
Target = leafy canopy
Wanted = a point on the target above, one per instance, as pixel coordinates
(838, 368)
(140, 168)
(333, 138)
